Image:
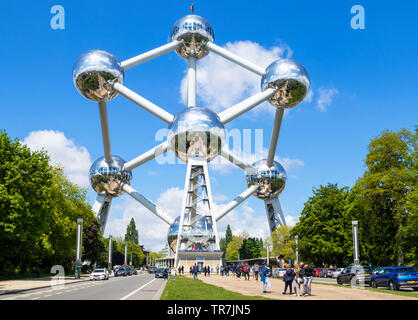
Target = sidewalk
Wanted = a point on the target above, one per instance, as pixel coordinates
(19, 285)
(319, 292)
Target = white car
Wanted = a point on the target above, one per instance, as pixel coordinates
(337, 273)
(279, 272)
(99, 274)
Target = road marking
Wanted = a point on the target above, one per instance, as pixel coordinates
(133, 292)
(36, 298)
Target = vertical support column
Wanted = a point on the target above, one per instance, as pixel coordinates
(105, 131)
(126, 253)
(191, 78)
(274, 213)
(275, 136)
(355, 243)
(79, 247)
(102, 207)
(109, 261)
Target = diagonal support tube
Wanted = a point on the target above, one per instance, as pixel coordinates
(236, 59)
(147, 156)
(143, 103)
(105, 131)
(146, 56)
(236, 202)
(246, 105)
(151, 206)
(241, 163)
(275, 136)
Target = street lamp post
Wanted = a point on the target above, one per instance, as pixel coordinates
(297, 252)
(78, 246)
(126, 253)
(109, 262)
(355, 243)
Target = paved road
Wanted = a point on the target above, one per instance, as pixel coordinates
(139, 287)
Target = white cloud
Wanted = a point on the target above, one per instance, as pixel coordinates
(63, 152)
(221, 83)
(325, 97)
(291, 220)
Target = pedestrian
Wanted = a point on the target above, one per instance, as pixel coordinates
(173, 273)
(209, 270)
(165, 274)
(265, 273)
(307, 280)
(217, 269)
(205, 270)
(297, 280)
(191, 270)
(256, 271)
(246, 272)
(238, 272)
(227, 271)
(288, 279)
(194, 271)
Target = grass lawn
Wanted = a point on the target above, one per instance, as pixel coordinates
(183, 288)
(395, 292)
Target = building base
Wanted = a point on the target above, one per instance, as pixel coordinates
(188, 259)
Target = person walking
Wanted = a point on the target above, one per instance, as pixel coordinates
(265, 273)
(288, 279)
(217, 269)
(296, 279)
(308, 273)
(256, 271)
(205, 270)
(194, 270)
(209, 271)
(165, 274)
(173, 273)
(246, 272)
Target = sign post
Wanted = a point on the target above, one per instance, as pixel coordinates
(355, 243)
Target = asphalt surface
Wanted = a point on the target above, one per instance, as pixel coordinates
(136, 287)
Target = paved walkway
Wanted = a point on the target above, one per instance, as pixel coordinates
(319, 291)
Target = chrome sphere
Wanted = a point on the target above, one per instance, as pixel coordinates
(195, 32)
(109, 178)
(199, 236)
(290, 79)
(91, 74)
(272, 180)
(196, 132)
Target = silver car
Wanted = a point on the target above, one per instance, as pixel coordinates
(337, 272)
(99, 274)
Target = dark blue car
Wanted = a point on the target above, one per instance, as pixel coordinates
(395, 278)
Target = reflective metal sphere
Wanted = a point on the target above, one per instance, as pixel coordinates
(109, 178)
(91, 74)
(199, 237)
(272, 180)
(196, 132)
(291, 81)
(195, 32)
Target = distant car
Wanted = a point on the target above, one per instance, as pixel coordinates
(329, 273)
(128, 270)
(159, 273)
(134, 271)
(120, 272)
(152, 269)
(395, 278)
(323, 273)
(337, 272)
(99, 274)
(355, 275)
(317, 272)
(278, 272)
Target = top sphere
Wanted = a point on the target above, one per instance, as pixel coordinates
(91, 74)
(196, 132)
(195, 32)
(290, 79)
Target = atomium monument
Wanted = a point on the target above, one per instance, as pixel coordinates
(196, 136)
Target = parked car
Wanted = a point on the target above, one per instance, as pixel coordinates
(323, 273)
(159, 273)
(317, 272)
(128, 270)
(134, 271)
(395, 278)
(99, 274)
(152, 269)
(337, 272)
(120, 272)
(355, 275)
(278, 272)
(329, 273)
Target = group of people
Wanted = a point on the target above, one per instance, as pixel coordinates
(298, 275)
(172, 271)
(242, 270)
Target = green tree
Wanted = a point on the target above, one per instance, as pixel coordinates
(283, 243)
(381, 203)
(93, 248)
(324, 229)
(132, 232)
(233, 247)
(250, 249)
(223, 242)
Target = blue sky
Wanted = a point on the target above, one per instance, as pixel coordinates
(362, 81)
